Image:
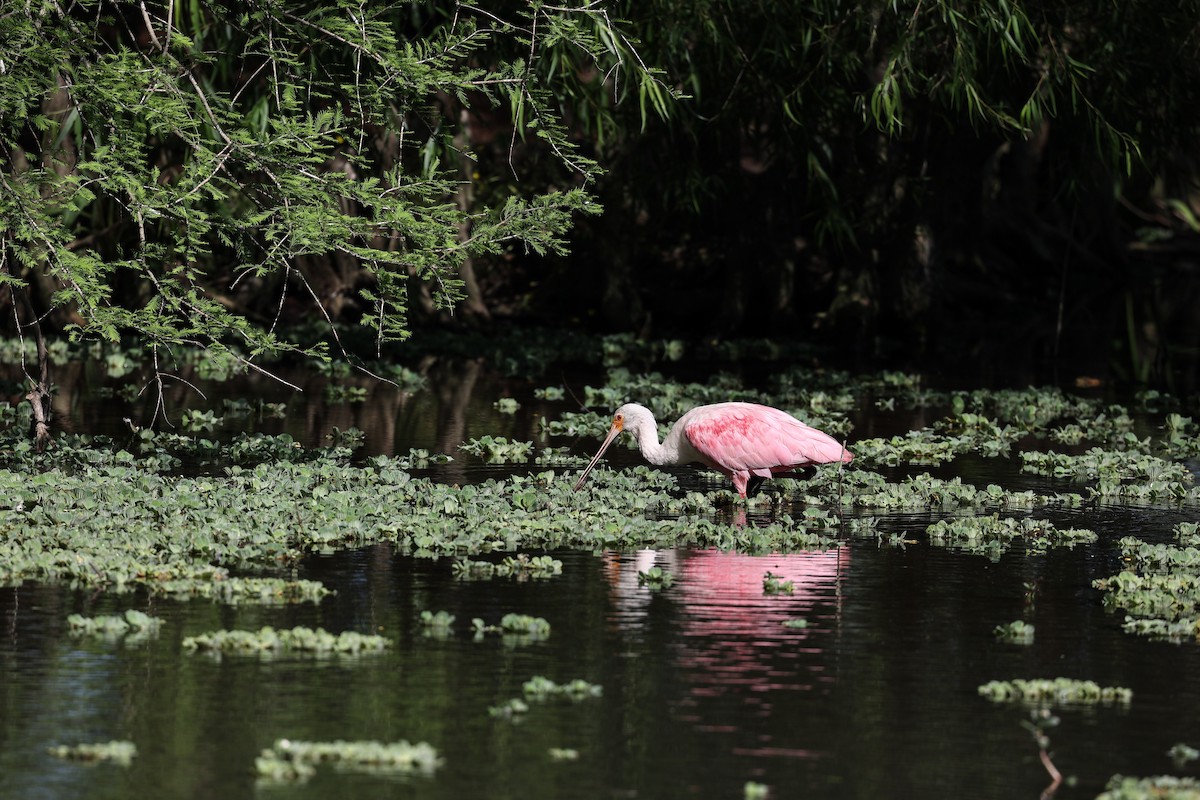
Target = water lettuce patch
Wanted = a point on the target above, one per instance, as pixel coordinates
(1055, 692)
(992, 534)
(117, 752)
(291, 761)
(521, 567)
(131, 627)
(514, 628)
(268, 641)
(541, 689)
(1158, 787)
(655, 578)
(1017, 632)
(1160, 589)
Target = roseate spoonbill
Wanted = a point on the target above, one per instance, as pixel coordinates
(744, 441)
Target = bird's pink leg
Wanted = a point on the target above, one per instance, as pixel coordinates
(739, 482)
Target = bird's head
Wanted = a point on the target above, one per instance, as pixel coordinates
(626, 418)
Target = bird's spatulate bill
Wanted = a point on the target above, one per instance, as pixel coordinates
(613, 433)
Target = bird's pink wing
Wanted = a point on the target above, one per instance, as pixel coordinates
(746, 437)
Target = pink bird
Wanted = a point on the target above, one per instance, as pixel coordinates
(746, 442)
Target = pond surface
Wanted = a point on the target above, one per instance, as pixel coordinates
(704, 687)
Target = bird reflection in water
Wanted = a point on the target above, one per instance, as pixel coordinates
(733, 657)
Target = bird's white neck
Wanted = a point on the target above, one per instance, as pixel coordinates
(645, 432)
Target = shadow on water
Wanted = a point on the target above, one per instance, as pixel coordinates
(704, 686)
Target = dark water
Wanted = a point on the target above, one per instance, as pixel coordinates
(704, 689)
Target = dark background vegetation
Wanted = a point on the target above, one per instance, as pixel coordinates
(927, 181)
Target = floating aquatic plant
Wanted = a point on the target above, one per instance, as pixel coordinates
(512, 709)
(656, 578)
(865, 489)
(1167, 630)
(1159, 557)
(522, 626)
(1017, 632)
(755, 791)
(351, 437)
(541, 689)
(775, 584)
(1183, 754)
(234, 591)
(406, 379)
(417, 457)
(197, 420)
(299, 640)
(563, 754)
(497, 449)
(1161, 591)
(506, 405)
(993, 534)
(1055, 692)
(1158, 787)
(133, 626)
(116, 752)
(795, 623)
(576, 423)
(1167, 596)
(521, 566)
(915, 447)
(559, 457)
(439, 619)
(1126, 474)
(289, 760)
(340, 393)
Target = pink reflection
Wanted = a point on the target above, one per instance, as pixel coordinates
(733, 656)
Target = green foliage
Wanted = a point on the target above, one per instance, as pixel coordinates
(132, 627)
(440, 619)
(542, 689)
(1055, 692)
(539, 689)
(515, 627)
(656, 578)
(522, 567)
(268, 642)
(497, 449)
(1182, 753)
(116, 752)
(1158, 787)
(774, 584)
(172, 173)
(992, 534)
(1017, 632)
(290, 761)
